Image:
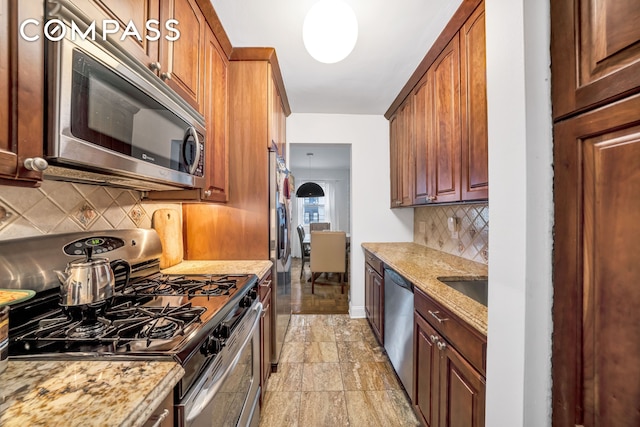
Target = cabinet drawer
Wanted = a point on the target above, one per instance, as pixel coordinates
(374, 262)
(471, 344)
(264, 287)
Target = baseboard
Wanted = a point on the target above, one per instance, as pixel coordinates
(357, 312)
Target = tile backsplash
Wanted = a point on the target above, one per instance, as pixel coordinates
(430, 228)
(63, 207)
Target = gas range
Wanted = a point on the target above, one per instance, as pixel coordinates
(185, 318)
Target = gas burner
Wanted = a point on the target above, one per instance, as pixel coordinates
(87, 330)
(192, 286)
(160, 329)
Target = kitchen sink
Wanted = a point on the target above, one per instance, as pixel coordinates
(474, 287)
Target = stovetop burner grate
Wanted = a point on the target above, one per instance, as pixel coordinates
(117, 326)
(206, 285)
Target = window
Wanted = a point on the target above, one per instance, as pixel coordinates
(313, 209)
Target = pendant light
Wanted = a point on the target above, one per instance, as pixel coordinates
(330, 31)
(310, 189)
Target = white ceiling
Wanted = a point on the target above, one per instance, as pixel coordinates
(393, 37)
(324, 156)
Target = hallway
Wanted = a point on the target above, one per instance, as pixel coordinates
(333, 372)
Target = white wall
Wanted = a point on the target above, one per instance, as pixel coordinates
(371, 218)
(520, 172)
(341, 179)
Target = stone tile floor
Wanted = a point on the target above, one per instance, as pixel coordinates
(333, 372)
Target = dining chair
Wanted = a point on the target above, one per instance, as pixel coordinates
(305, 249)
(328, 255)
(319, 226)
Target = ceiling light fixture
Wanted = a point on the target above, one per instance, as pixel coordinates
(330, 31)
(310, 189)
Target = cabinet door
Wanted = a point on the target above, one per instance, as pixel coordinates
(426, 365)
(377, 304)
(406, 155)
(596, 295)
(462, 391)
(595, 46)
(368, 293)
(423, 128)
(215, 112)
(475, 141)
(394, 143)
(21, 94)
(139, 12)
(182, 59)
(446, 121)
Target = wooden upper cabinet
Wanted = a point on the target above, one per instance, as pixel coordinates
(402, 156)
(446, 138)
(277, 120)
(446, 121)
(423, 130)
(595, 51)
(182, 60)
(406, 155)
(394, 138)
(138, 11)
(214, 95)
(473, 91)
(21, 94)
(216, 116)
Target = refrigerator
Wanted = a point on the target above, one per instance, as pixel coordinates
(279, 252)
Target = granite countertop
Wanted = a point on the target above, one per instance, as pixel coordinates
(422, 266)
(259, 268)
(84, 393)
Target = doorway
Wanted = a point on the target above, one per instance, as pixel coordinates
(328, 165)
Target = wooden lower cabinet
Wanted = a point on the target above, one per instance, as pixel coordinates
(374, 295)
(448, 390)
(596, 338)
(163, 415)
(265, 332)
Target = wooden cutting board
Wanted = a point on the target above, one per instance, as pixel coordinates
(168, 225)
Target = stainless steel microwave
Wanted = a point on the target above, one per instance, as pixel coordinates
(113, 122)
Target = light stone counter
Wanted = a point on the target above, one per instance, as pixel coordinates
(422, 266)
(259, 268)
(84, 393)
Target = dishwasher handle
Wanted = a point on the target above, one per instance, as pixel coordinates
(389, 274)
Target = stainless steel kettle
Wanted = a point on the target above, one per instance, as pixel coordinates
(89, 280)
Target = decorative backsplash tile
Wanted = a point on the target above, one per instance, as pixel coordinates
(63, 207)
(430, 228)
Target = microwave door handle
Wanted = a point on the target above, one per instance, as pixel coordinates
(191, 133)
(203, 399)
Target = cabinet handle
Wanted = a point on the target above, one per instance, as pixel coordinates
(207, 193)
(431, 198)
(266, 284)
(165, 76)
(163, 416)
(435, 316)
(37, 164)
(265, 310)
(155, 66)
(434, 338)
(442, 345)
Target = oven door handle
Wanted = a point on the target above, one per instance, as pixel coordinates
(203, 399)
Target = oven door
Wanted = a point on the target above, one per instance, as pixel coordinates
(228, 391)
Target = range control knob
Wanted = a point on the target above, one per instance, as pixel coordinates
(246, 301)
(214, 345)
(223, 331)
(253, 293)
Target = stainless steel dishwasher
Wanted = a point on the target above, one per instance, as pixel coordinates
(398, 326)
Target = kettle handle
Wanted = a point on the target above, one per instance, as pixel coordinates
(127, 267)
